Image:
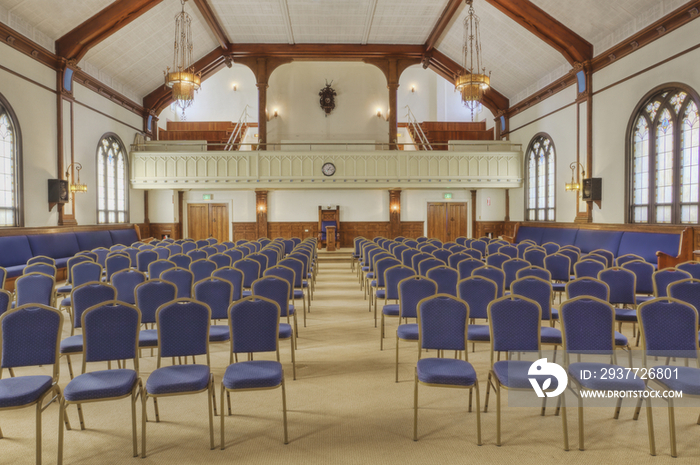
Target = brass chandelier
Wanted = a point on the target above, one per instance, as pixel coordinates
(473, 82)
(181, 78)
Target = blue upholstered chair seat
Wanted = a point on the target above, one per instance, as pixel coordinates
(513, 374)
(178, 378)
(15, 392)
(478, 333)
(391, 310)
(148, 338)
(291, 310)
(247, 293)
(408, 332)
(555, 314)
(285, 331)
(298, 294)
(65, 302)
(365, 268)
(558, 287)
(373, 283)
(218, 333)
(625, 314)
(100, 385)
(631, 383)
(644, 298)
(688, 380)
(381, 293)
(446, 371)
(620, 339)
(550, 335)
(72, 344)
(370, 275)
(64, 289)
(252, 375)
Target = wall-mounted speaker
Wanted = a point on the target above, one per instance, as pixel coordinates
(58, 191)
(592, 189)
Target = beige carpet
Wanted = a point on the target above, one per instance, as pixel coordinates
(344, 408)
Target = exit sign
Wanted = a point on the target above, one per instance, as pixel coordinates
(447, 196)
(206, 196)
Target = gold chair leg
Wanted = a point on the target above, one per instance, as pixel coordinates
(397, 363)
(498, 414)
(155, 407)
(134, 435)
(228, 400)
(294, 363)
(672, 427)
(144, 419)
(650, 427)
(637, 409)
(80, 416)
(618, 405)
(488, 390)
(381, 331)
(284, 411)
(210, 403)
(415, 407)
(213, 398)
(70, 367)
(580, 423)
(478, 412)
(564, 422)
(61, 414)
(222, 415)
(38, 432)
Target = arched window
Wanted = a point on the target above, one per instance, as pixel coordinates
(664, 148)
(539, 201)
(112, 198)
(10, 167)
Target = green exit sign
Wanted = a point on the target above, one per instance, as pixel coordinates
(206, 196)
(447, 196)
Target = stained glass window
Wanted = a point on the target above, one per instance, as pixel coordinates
(8, 170)
(112, 198)
(665, 145)
(540, 179)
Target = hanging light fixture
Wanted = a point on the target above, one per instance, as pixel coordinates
(77, 186)
(473, 81)
(181, 78)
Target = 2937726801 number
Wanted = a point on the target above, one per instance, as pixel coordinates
(660, 373)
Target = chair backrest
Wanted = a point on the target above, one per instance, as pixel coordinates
(235, 254)
(30, 336)
(233, 276)
(421, 239)
(442, 323)
(457, 257)
(417, 258)
(41, 259)
(571, 247)
(35, 288)
(442, 254)
(209, 250)
(411, 291)
(183, 329)
(3, 277)
(254, 325)
(467, 267)
(221, 260)
(522, 247)
(537, 290)
(411, 243)
(446, 279)
(622, 284)
(669, 328)
(691, 267)
(587, 287)
(272, 256)
(497, 259)
(392, 277)
(157, 267)
(597, 257)
(476, 254)
(228, 244)
(427, 247)
(297, 266)
(150, 295)
(398, 250)
(202, 269)
(535, 271)
(182, 278)
(5, 301)
(495, 274)
(478, 292)
(111, 332)
(197, 255)
(220, 248)
(275, 289)
(551, 247)
(162, 252)
(85, 272)
(175, 249)
(559, 265)
(117, 247)
(115, 263)
(587, 326)
(686, 290)
(511, 268)
(427, 264)
(535, 256)
(250, 269)
(212, 241)
(493, 247)
(262, 260)
(662, 279)
(480, 246)
(644, 272)
(216, 293)
(283, 272)
(407, 256)
(573, 258)
(622, 259)
(201, 243)
(588, 268)
(88, 295)
(509, 250)
(187, 247)
(42, 268)
(515, 323)
(145, 257)
(381, 266)
(101, 253)
(609, 256)
(89, 253)
(125, 282)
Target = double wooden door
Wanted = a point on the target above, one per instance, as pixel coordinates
(206, 220)
(447, 220)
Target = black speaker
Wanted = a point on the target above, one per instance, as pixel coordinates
(592, 189)
(58, 191)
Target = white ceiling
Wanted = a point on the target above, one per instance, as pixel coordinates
(133, 59)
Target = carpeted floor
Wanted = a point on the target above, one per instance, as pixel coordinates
(344, 408)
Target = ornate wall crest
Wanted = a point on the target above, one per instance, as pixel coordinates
(327, 101)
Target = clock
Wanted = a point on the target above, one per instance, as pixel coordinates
(328, 169)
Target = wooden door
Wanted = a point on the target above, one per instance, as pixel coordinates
(456, 220)
(206, 220)
(218, 221)
(437, 221)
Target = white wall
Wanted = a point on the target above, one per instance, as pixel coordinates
(302, 205)
(423, 102)
(162, 206)
(490, 204)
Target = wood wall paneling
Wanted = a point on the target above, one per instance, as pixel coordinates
(247, 231)
(159, 230)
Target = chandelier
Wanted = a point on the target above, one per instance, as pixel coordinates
(181, 78)
(473, 80)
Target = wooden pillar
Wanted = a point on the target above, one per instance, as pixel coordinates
(65, 132)
(146, 219)
(262, 115)
(474, 228)
(394, 213)
(261, 212)
(507, 217)
(584, 98)
(180, 203)
(393, 86)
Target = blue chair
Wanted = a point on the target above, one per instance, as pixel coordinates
(662, 278)
(262, 260)
(622, 287)
(82, 273)
(102, 254)
(278, 290)
(297, 241)
(588, 328)
(515, 324)
(421, 239)
(536, 271)
(477, 292)
(411, 243)
(41, 259)
(300, 291)
(493, 247)
(540, 291)
(559, 266)
(234, 276)
(691, 267)
(609, 256)
(686, 290)
(644, 271)
(587, 268)
(3, 277)
(117, 247)
(480, 246)
(436, 242)
(131, 252)
(467, 267)
(442, 325)
(175, 249)
(589, 287)
(289, 246)
(254, 325)
(411, 291)
(630, 257)
(187, 247)
(197, 255)
(522, 247)
(551, 247)
(181, 261)
(426, 264)
(182, 279)
(442, 254)
(597, 257)
(573, 258)
(209, 250)
(35, 288)
(42, 268)
(202, 243)
(217, 294)
(149, 296)
(392, 277)
(668, 328)
(144, 258)
(162, 252)
(202, 269)
(535, 256)
(110, 332)
(228, 244)
(475, 254)
(427, 247)
(446, 279)
(251, 272)
(494, 274)
(115, 263)
(511, 268)
(235, 255)
(288, 275)
(457, 257)
(125, 282)
(379, 283)
(220, 248)
(570, 247)
(497, 259)
(272, 255)
(461, 240)
(30, 336)
(89, 253)
(247, 248)
(241, 242)
(159, 266)
(212, 241)
(398, 250)
(5, 301)
(509, 250)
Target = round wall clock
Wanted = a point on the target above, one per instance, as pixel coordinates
(328, 169)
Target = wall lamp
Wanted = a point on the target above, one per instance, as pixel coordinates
(76, 186)
(275, 114)
(413, 89)
(574, 185)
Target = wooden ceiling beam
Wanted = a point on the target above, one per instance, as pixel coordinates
(325, 52)
(574, 47)
(76, 43)
(213, 22)
(442, 23)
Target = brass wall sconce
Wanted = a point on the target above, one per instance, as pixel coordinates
(574, 185)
